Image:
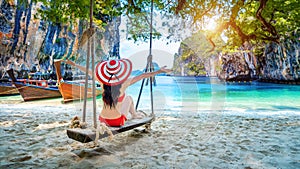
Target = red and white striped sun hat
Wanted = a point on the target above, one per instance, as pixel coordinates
(113, 72)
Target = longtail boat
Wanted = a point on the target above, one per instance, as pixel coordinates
(7, 88)
(34, 89)
(72, 90)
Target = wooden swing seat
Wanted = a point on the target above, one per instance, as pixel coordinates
(87, 135)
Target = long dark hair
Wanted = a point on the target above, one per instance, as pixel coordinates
(110, 95)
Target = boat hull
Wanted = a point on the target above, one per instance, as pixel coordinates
(30, 93)
(8, 90)
(72, 92)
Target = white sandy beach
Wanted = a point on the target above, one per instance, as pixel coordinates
(33, 135)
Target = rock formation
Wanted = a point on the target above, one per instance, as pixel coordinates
(279, 63)
(195, 58)
(238, 66)
(29, 45)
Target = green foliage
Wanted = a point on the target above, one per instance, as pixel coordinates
(63, 11)
(138, 14)
(195, 51)
(69, 11)
(198, 45)
(240, 21)
(197, 69)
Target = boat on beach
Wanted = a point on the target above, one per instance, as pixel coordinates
(7, 88)
(73, 90)
(34, 89)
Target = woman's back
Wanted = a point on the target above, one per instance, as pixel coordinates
(111, 105)
(114, 77)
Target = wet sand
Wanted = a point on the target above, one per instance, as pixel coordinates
(33, 135)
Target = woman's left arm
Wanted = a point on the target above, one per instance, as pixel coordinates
(146, 75)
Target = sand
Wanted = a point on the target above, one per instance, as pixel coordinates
(33, 135)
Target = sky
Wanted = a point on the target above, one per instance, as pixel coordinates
(163, 53)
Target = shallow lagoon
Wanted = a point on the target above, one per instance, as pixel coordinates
(201, 123)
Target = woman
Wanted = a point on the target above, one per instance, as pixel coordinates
(114, 78)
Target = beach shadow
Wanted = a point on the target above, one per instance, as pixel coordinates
(138, 133)
(119, 144)
(92, 152)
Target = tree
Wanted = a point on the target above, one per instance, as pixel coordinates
(254, 21)
(245, 20)
(69, 11)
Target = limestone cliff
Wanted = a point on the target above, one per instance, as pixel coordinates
(281, 62)
(238, 66)
(271, 62)
(195, 58)
(28, 44)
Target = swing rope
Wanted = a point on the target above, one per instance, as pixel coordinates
(90, 53)
(102, 128)
(93, 67)
(149, 66)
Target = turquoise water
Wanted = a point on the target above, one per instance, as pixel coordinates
(209, 94)
(200, 123)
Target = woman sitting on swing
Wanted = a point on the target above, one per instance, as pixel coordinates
(114, 78)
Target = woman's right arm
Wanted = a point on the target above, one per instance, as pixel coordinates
(82, 68)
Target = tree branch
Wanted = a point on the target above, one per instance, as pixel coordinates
(179, 6)
(270, 28)
(202, 14)
(269, 38)
(219, 29)
(241, 34)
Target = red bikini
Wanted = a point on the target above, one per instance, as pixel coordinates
(121, 98)
(115, 122)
